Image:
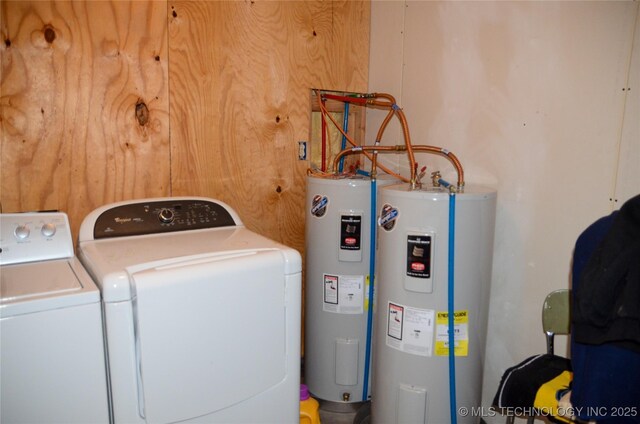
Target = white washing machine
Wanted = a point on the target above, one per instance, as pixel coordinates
(52, 364)
(202, 315)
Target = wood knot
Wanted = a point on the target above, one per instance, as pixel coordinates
(278, 189)
(277, 119)
(7, 42)
(49, 34)
(142, 113)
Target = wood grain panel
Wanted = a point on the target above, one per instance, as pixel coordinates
(88, 90)
(240, 74)
(72, 75)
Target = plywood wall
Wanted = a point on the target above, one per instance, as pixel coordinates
(240, 75)
(110, 100)
(72, 75)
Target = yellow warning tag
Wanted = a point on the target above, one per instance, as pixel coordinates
(366, 293)
(460, 333)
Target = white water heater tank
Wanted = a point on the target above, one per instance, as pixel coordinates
(338, 227)
(411, 364)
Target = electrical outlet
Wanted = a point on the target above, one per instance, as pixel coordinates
(302, 150)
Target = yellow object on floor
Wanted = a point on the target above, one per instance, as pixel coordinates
(309, 407)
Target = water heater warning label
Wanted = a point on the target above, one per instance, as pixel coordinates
(410, 329)
(460, 333)
(343, 294)
(350, 232)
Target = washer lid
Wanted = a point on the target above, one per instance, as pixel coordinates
(40, 286)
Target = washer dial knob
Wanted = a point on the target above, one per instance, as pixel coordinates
(22, 232)
(166, 216)
(48, 229)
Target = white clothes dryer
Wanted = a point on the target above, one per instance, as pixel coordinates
(202, 315)
(52, 364)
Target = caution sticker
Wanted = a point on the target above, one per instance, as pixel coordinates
(460, 333)
(410, 329)
(343, 294)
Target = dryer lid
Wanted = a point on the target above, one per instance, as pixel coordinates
(112, 261)
(209, 334)
(41, 286)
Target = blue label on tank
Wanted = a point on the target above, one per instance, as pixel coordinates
(319, 205)
(388, 216)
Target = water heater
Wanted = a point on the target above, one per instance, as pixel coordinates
(338, 247)
(411, 364)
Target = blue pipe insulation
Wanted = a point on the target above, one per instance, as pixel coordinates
(444, 183)
(345, 128)
(361, 172)
(372, 270)
(452, 357)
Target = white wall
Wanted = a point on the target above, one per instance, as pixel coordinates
(534, 99)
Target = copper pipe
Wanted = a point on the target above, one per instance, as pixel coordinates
(400, 148)
(326, 114)
(405, 129)
(385, 96)
(383, 127)
(449, 155)
(407, 142)
(379, 103)
(364, 149)
(394, 109)
(384, 124)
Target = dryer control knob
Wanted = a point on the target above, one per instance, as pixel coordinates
(48, 229)
(22, 232)
(166, 216)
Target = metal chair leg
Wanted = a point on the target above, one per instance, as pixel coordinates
(549, 335)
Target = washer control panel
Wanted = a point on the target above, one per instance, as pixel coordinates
(34, 236)
(161, 216)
